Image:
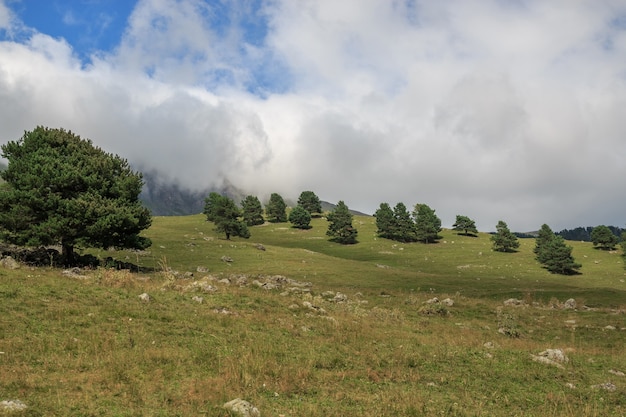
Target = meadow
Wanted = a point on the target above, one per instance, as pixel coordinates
(360, 339)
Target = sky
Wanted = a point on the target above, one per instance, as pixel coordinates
(509, 110)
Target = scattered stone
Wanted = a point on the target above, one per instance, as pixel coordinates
(74, 273)
(432, 300)
(12, 405)
(242, 408)
(9, 263)
(554, 357)
(570, 385)
(448, 302)
(339, 298)
(614, 372)
(514, 302)
(609, 327)
(227, 259)
(259, 246)
(145, 297)
(224, 281)
(222, 310)
(607, 386)
(197, 299)
(570, 304)
(570, 322)
(202, 269)
(489, 345)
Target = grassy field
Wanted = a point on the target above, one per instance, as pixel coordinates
(88, 346)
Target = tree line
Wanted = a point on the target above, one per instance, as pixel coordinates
(59, 189)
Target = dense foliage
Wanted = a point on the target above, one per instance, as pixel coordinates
(503, 240)
(62, 190)
(604, 238)
(223, 211)
(252, 211)
(276, 209)
(340, 227)
(465, 224)
(310, 202)
(552, 252)
(583, 234)
(300, 218)
(427, 224)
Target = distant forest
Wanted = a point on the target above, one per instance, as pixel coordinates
(584, 233)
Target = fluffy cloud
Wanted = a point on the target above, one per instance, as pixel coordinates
(491, 109)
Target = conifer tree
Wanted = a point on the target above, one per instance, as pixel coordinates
(340, 227)
(300, 218)
(62, 190)
(384, 221)
(252, 211)
(604, 238)
(465, 224)
(427, 224)
(310, 202)
(276, 209)
(223, 211)
(504, 240)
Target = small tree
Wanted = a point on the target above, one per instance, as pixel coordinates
(310, 202)
(604, 238)
(466, 225)
(544, 237)
(552, 252)
(384, 221)
(300, 218)
(340, 225)
(62, 190)
(427, 224)
(252, 211)
(403, 225)
(276, 209)
(558, 257)
(223, 211)
(504, 240)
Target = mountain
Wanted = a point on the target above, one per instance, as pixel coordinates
(164, 198)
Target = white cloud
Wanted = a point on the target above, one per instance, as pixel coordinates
(491, 109)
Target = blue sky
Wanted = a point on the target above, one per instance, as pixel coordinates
(498, 110)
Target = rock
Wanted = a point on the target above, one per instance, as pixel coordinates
(609, 327)
(202, 269)
(607, 386)
(340, 298)
(259, 246)
(554, 357)
(448, 302)
(12, 405)
(432, 300)
(74, 273)
(227, 259)
(617, 373)
(514, 302)
(197, 299)
(145, 297)
(569, 304)
(9, 263)
(243, 408)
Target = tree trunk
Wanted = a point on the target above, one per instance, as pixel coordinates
(67, 254)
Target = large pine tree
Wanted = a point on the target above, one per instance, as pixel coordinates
(340, 227)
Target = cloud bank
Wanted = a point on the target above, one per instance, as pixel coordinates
(498, 110)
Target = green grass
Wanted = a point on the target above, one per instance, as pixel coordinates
(90, 347)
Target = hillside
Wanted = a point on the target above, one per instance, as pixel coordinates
(303, 326)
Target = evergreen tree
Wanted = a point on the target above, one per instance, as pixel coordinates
(465, 224)
(62, 190)
(223, 211)
(604, 238)
(276, 209)
(300, 218)
(544, 237)
(340, 227)
(552, 252)
(558, 257)
(504, 240)
(384, 221)
(427, 224)
(403, 225)
(252, 211)
(310, 202)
